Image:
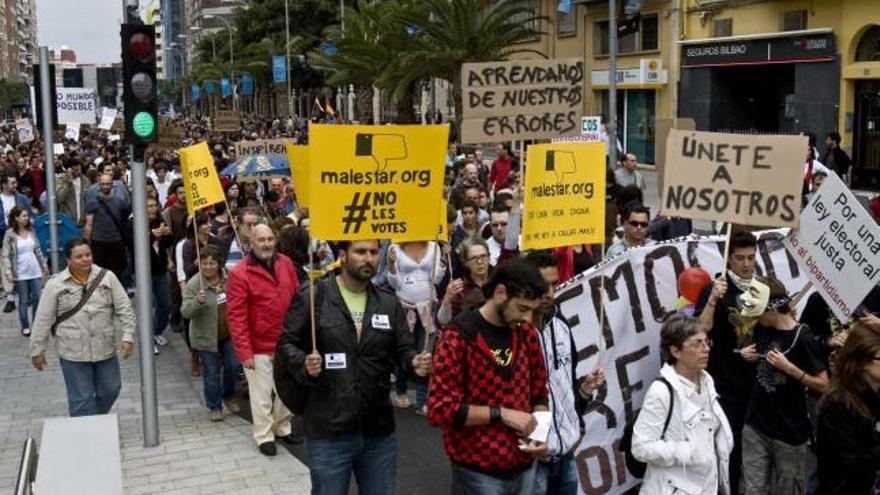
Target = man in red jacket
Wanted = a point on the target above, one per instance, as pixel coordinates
(258, 291)
(502, 166)
(489, 377)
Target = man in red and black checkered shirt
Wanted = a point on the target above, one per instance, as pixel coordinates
(489, 377)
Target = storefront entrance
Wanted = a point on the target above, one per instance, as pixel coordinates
(635, 117)
(866, 152)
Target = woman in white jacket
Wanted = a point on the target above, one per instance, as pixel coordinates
(691, 457)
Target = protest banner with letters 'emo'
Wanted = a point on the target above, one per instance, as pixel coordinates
(522, 99)
(838, 245)
(738, 178)
(564, 195)
(200, 178)
(261, 147)
(298, 162)
(376, 181)
(76, 105)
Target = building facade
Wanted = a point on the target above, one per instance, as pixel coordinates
(18, 39)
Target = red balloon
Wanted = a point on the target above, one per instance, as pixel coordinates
(691, 282)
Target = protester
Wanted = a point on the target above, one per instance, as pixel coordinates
(106, 226)
(258, 291)
(70, 191)
(848, 447)
(498, 221)
(834, 157)
(161, 241)
(80, 308)
(362, 331)
(466, 292)
(23, 265)
(204, 304)
(635, 227)
(627, 175)
(556, 472)
(502, 166)
(690, 453)
(9, 199)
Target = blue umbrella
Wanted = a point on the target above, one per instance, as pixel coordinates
(258, 167)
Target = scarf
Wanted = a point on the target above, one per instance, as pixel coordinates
(741, 283)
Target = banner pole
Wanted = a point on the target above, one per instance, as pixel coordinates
(726, 246)
(600, 344)
(433, 287)
(312, 298)
(232, 222)
(198, 256)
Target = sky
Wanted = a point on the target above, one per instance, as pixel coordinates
(89, 27)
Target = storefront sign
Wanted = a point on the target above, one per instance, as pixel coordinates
(804, 48)
(649, 73)
(522, 99)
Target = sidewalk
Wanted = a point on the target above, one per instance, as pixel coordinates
(194, 456)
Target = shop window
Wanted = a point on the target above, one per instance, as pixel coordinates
(794, 20)
(534, 10)
(868, 49)
(646, 39)
(723, 28)
(566, 23)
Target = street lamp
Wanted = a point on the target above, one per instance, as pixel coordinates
(231, 53)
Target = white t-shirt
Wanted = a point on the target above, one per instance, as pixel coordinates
(8, 203)
(27, 266)
(494, 250)
(77, 189)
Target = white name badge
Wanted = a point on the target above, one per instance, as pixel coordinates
(221, 298)
(381, 322)
(335, 361)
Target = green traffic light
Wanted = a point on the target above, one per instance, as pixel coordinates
(144, 124)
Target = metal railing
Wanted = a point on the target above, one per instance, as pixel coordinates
(27, 470)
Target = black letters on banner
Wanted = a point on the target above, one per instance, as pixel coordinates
(657, 309)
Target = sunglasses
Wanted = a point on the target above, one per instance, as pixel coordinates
(643, 225)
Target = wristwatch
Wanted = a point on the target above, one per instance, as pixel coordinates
(494, 415)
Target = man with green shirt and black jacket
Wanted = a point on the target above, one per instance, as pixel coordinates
(362, 334)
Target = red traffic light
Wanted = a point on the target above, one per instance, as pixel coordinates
(141, 47)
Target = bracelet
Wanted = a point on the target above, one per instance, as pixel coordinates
(803, 374)
(494, 415)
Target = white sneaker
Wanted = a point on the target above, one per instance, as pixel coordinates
(155, 350)
(160, 340)
(26, 332)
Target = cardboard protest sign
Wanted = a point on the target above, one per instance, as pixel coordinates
(227, 121)
(739, 178)
(72, 132)
(522, 99)
(838, 245)
(564, 195)
(168, 138)
(76, 105)
(200, 178)
(640, 289)
(298, 161)
(376, 181)
(25, 130)
(261, 147)
(57, 149)
(108, 115)
(661, 133)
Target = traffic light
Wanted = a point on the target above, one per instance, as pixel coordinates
(139, 92)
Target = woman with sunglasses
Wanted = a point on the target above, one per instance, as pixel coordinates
(777, 426)
(849, 418)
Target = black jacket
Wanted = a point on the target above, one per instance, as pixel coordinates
(356, 398)
(848, 448)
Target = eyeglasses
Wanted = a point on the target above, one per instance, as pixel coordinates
(640, 225)
(700, 343)
(481, 258)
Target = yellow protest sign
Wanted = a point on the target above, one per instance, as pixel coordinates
(376, 181)
(298, 159)
(564, 195)
(200, 178)
(444, 225)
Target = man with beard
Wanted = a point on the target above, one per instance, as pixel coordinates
(734, 376)
(489, 377)
(362, 333)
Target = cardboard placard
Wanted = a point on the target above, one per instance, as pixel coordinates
(522, 99)
(108, 117)
(261, 147)
(838, 245)
(25, 130)
(169, 138)
(661, 133)
(739, 178)
(76, 105)
(227, 121)
(298, 161)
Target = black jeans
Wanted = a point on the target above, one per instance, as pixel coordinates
(109, 255)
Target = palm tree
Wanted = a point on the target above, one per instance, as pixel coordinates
(449, 33)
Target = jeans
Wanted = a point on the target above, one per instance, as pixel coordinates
(373, 460)
(772, 466)
(92, 388)
(558, 477)
(23, 288)
(109, 255)
(401, 384)
(160, 303)
(468, 482)
(215, 388)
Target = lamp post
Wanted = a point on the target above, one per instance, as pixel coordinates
(231, 54)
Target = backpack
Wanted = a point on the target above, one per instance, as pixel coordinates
(634, 466)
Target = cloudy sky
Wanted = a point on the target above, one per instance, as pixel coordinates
(89, 27)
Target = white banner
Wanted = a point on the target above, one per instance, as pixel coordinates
(640, 289)
(108, 115)
(25, 130)
(72, 132)
(76, 105)
(838, 244)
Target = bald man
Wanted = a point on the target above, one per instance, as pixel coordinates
(258, 292)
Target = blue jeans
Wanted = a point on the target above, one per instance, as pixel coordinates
(373, 460)
(558, 477)
(92, 388)
(34, 287)
(161, 305)
(215, 390)
(469, 482)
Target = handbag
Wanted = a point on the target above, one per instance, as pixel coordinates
(88, 290)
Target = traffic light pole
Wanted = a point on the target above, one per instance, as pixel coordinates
(46, 98)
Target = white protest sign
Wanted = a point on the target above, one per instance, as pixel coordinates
(57, 149)
(838, 244)
(640, 289)
(108, 115)
(591, 129)
(76, 105)
(25, 130)
(72, 132)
